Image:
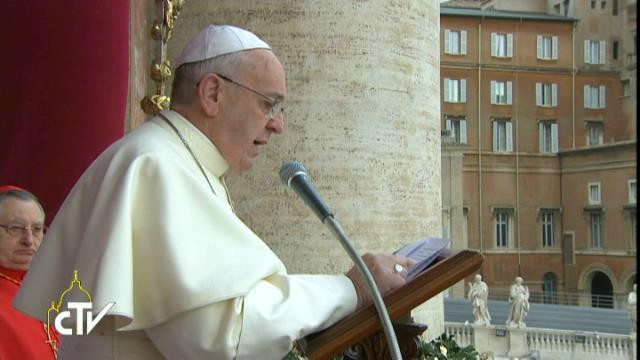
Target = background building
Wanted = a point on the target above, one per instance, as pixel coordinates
(541, 97)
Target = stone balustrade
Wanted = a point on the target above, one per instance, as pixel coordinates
(499, 342)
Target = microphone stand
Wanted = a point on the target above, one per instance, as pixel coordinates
(392, 341)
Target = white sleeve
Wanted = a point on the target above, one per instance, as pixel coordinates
(262, 324)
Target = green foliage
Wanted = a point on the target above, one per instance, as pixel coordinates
(441, 348)
(445, 347)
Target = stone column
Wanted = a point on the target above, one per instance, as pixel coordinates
(362, 115)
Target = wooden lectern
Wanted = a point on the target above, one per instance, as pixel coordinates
(360, 334)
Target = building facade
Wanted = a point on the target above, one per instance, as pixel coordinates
(538, 104)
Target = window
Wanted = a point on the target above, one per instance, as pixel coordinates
(594, 193)
(548, 231)
(546, 94)
(616, 49)
(501, 92)
(603, 5)
(501, 45)
(593, 4)
(594, 133)
(547, 47)
(595, 51)
(502, 229)
(626, 87)
(502, 135)
(556, 8)
(455, 42)
(548, 137)
(457, 127)
(594, 97)
(455, 90)
(596, 230)
(632, 191)
(549, 288)
(614, 7)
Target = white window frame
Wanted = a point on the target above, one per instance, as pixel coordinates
(547, 47)
(548, 136)
(595, 230)
(546, 94)
(632, 191)
(455, 42)
(595, 128)
(501, 45)
(595, 197)
(501, 92)
(547, 220)
(502, 140)
(502, 227)
(457, 126)
(595, 52)
(626, 87)
(595, 97)
(455, 90)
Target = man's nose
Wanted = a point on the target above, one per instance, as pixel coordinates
(276, 124)
(27, 237)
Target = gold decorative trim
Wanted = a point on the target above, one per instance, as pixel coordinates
(167, 12)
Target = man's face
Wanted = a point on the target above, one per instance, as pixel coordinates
(16, 251)
(245, 125)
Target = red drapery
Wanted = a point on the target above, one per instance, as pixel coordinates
(64, 81)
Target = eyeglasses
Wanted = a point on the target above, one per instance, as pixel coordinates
(275, 104)
(19, 230)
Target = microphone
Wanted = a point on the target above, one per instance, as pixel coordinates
(294, 175)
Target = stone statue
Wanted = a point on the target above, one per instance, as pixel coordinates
(631, 305)
(478, 293)
(519, 299)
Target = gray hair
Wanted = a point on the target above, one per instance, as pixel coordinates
(23, 195)
(184, 87)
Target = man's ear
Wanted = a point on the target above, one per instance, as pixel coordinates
(209, 94)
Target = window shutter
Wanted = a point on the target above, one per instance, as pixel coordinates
(538, 94)
(494, 44)
(495, 135)
(463, 90)
(554, 138)
(554, 94)
(603, 52)
(554, 47)
(586, 52)
(447, 91)
(541, 137)
(509, 92)
(509, 130)
(586, 97)
(602, 99)
(463, 131)
(539, 44)
(463, 42)
(493, 91)
(510, 45)
(447, 41)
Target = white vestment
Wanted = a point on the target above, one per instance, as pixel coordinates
(188, 278)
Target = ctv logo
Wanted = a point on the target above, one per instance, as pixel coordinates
(81, 313)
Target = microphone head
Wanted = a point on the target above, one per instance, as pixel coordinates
(291, 169)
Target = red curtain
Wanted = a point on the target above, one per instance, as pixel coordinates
(64, 82)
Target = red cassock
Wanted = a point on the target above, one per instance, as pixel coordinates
(21, 337)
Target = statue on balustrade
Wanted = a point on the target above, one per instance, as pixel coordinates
(519, 299)
(478, 294)
(631, 305)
